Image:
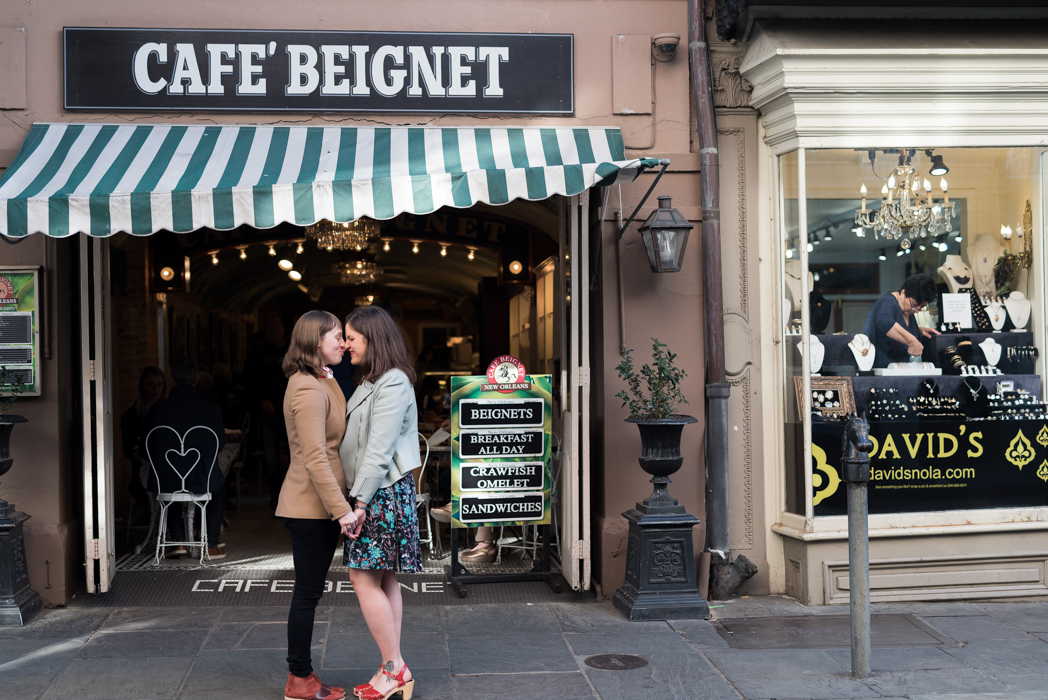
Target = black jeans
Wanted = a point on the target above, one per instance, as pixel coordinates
(216, 510)
(312, 546)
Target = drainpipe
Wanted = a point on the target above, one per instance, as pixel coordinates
(725, 575)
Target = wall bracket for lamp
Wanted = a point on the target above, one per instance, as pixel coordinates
(665, 163)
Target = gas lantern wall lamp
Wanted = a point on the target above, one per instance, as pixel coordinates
(665, 232)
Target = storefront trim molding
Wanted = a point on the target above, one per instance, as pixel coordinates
(962, 522)
(944, 578)
(846, 95)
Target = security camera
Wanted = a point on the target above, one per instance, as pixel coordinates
(664, 46)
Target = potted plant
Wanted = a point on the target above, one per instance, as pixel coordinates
(7, 420)
(654, 394)
(661, 581)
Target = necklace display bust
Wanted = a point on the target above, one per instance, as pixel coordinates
(864, 352)
(995, 310)
(793, 283)
(816, 353)
(982, 255)
(1018, 310)
(955, 273)
(992, 351)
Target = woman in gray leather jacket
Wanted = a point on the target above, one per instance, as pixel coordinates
(378, 452)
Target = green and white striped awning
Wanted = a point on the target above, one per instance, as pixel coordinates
(102, 179)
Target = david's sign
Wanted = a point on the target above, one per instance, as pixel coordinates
(260, 70)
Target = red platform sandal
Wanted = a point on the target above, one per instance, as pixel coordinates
(404, 688)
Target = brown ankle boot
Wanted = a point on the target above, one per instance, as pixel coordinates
(310, 688)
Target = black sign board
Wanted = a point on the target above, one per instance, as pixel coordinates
(501, 443)
(501, 413)
(938, 465)
(515, 507)
(310, 71)
(501, 476)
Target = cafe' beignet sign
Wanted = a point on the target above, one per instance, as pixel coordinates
(263, 70)
(501, 451)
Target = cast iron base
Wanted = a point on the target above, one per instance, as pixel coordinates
(18, 602)
(661, 582)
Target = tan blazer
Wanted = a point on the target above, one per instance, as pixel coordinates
(315, 414)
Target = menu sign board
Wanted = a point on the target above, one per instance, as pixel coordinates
(502, 443)
(501, 476)
(501, 455)
(19, 331)
(501, 413)
(488, 508)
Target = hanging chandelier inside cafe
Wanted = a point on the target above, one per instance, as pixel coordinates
(357, 271)
(907, 207)
(349, 235)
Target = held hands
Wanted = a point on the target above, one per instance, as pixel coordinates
(351, 522)
(915, 348)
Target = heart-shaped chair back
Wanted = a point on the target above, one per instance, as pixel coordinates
(182, 462)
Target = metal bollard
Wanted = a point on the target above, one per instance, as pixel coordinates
(855, 449)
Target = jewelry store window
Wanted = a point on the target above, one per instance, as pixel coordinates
(913, 295)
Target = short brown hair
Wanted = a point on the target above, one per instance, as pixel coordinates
(386, 348)
(303, 353)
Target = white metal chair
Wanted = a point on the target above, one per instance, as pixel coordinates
(171, 480)
(422, 501)
(530, 540)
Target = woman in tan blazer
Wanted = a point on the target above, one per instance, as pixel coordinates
(312, 499)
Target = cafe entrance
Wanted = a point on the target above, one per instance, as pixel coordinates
(194, 237)
(464, 286)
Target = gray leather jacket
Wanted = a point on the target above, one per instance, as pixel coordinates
(381, 443)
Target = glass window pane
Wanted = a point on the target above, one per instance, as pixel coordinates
(928, 307)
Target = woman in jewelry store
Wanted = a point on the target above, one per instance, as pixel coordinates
(312, 500)
(378, 453)
(891, 323)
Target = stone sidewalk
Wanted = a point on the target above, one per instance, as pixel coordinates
(767, 647)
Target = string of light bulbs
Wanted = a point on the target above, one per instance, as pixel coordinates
(286, 265)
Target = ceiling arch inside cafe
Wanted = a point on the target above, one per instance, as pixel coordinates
(243, 285)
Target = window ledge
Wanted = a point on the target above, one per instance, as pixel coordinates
(930, 524)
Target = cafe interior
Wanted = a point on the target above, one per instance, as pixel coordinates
(464, 286)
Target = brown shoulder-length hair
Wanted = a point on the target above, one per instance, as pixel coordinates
(303, 353)
(386, 349)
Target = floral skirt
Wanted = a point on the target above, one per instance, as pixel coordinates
(389, 538)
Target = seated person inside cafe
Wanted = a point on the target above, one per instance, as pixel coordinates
(183, 409)
(892, 325)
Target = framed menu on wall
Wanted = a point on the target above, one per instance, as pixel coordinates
(19, 330)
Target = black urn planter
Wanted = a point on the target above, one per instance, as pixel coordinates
(7, 424)
(19, 603)
(661, 581)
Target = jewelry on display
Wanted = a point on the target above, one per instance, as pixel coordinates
(816, 353)
(997, 314)
(991, 350)
(1018, 307)
(956, 274)
(983, 256)
(863, 351)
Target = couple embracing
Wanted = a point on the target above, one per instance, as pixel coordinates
(350, 474)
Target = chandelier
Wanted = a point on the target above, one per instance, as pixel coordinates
(350, 235)
(907, 208)
(357, 271)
